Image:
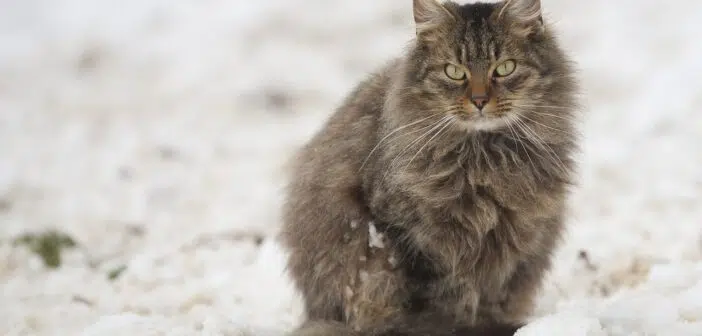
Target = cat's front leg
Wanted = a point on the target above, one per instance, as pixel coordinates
(458, 299)
(516, 302)
(379, 290)
(325, 242)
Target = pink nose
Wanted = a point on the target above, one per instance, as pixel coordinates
(480, 101)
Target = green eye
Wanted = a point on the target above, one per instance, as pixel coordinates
(506, 68)
(454, 72)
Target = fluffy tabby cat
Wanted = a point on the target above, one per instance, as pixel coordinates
(431, 201)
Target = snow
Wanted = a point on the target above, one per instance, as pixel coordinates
(155, 133)
(375, 238)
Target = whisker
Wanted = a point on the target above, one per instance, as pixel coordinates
(537, 140)
(390, 134)
(567, 118)
(435, 112)
(531, 138)
(549, 127)
(526, 151)
(511, 129)
(434, 126)
(544, 106)
(448, 123)
(533, 109)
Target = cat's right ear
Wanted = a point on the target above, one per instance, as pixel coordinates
(525, 16)
(430, 15)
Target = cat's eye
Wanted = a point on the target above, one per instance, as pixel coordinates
(455, 72)
(505, 68)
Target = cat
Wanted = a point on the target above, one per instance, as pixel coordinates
(431, 201)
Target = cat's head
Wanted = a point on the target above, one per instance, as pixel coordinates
(486, 65)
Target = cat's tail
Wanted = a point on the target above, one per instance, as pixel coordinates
(408, 327)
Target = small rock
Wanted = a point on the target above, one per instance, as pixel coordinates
(125, 174)
(135, 230)
(89, 59)
(276, 99)
(5, 205)
(167, 153)
(116, 272)
(585, 258)
(80, 299)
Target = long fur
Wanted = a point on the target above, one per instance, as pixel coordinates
(408, 213)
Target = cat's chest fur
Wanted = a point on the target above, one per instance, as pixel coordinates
(469, 208)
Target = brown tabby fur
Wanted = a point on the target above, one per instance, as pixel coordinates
(409, 213)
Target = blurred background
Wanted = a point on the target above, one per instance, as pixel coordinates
(142, 147)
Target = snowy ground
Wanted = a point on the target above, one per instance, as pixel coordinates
(154, 133)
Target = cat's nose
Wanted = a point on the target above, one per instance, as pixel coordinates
(480, 101)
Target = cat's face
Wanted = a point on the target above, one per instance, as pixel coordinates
(484, 65)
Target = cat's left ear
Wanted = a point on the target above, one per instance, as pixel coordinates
(525, 15)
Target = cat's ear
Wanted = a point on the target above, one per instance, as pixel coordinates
(525, 15)
(429, 15)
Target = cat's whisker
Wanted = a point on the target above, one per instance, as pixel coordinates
(547, 126)
(444, 112)
(526, 151)
(413, 132)
(449, 109)
(391, 133)
(544, 106)
(426, 134)
(537, 140)
(531, 140)
(448, 123)
(565, 117)
(435, 126)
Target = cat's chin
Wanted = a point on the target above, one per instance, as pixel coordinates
(482, 124)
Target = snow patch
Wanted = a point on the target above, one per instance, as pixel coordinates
(375, 238)
(571, 324)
